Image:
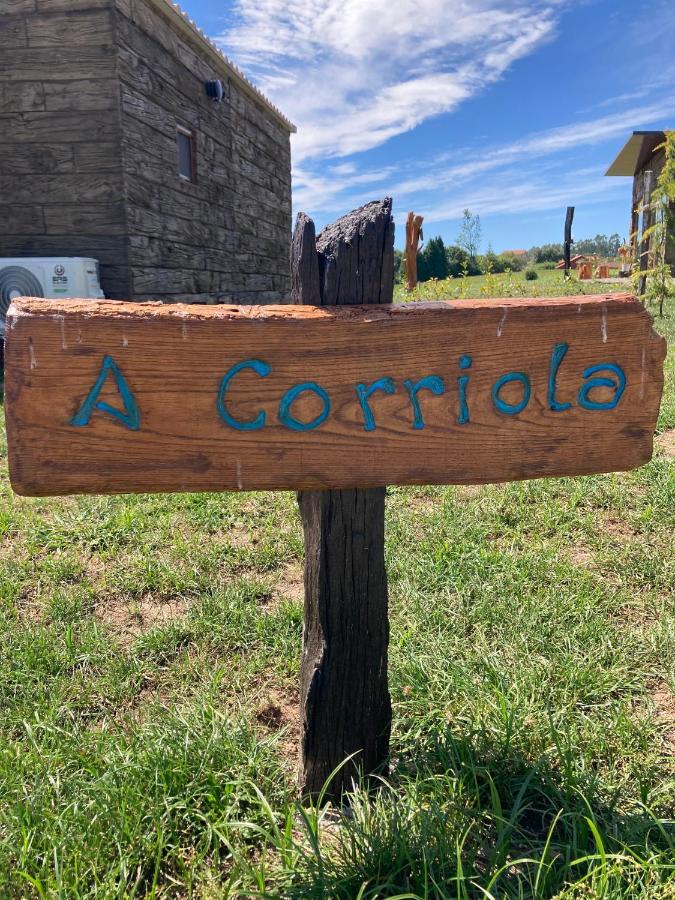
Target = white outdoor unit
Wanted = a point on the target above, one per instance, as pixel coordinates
(47, 276)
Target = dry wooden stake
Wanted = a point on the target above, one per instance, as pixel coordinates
(413, 235)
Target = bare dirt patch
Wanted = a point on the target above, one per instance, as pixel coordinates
(278, 711)
(579, 555)
(291, 585)
(468, 491)
(29, 610)
(423, 505)
(130, 618)
(618, 528)
(639, 613)
(239, 537)
(666, 443)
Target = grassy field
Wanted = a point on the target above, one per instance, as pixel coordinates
(148, 668)
(549, 283)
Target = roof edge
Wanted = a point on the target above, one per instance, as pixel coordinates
(626, 161)
(190, 28)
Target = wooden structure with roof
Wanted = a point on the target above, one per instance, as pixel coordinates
(126, 135)
(642, 157)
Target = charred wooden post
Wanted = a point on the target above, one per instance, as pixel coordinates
(305, 262)
(345, 706)
(567, 247)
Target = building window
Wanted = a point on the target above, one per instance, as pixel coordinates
(186, 153)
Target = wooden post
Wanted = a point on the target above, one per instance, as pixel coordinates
(568, 239)
(345, 706)
(644, 245)
(413, 234)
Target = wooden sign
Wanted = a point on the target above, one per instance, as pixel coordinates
(107, 397)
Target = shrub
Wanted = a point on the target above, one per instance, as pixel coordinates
(490, 262)
(459, 262)
(547, 253)
(531, 275)
(432, 261)
(512, 262)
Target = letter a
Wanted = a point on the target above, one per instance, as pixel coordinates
(131, 417)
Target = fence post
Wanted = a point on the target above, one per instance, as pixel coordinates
(567, 245)
(345, 706)
(645, 241)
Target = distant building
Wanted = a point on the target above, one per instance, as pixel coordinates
(126, 135)
(574, 261)
(642, 158)
(514, 252)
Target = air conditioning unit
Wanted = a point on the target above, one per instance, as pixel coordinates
(49, 277)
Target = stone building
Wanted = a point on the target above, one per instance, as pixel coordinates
(126, 135)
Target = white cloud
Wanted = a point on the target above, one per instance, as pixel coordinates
(536, 145)
(488, 178)
(525, 195)
(354, 73)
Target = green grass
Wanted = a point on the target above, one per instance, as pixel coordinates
(148, 664)
(549, 283)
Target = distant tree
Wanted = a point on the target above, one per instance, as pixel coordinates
(512, 261)
(490, 262)
(613, 244)
(470, 234)
(460, 262)
(600, 245)
(549, 253)
(432, 261)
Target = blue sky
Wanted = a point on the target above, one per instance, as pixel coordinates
(513, 108)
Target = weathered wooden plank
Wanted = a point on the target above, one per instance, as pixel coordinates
(95, 218)
(97, 156)
(52, 6)
(59, 64)
(155, 281)
(86, 28)
(83, 96)
(21, 219)
(22, 96)
(154, 115)
(16, 7)
(61, 127)
(151, 252)
(174, 360)
(87, 188)
(110, 251)
(13, 32)
(180, 200)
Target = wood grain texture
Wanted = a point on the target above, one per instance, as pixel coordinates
(345, 706)
(304, 263)
(162, 74)
(174, 358)
(87, 28)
